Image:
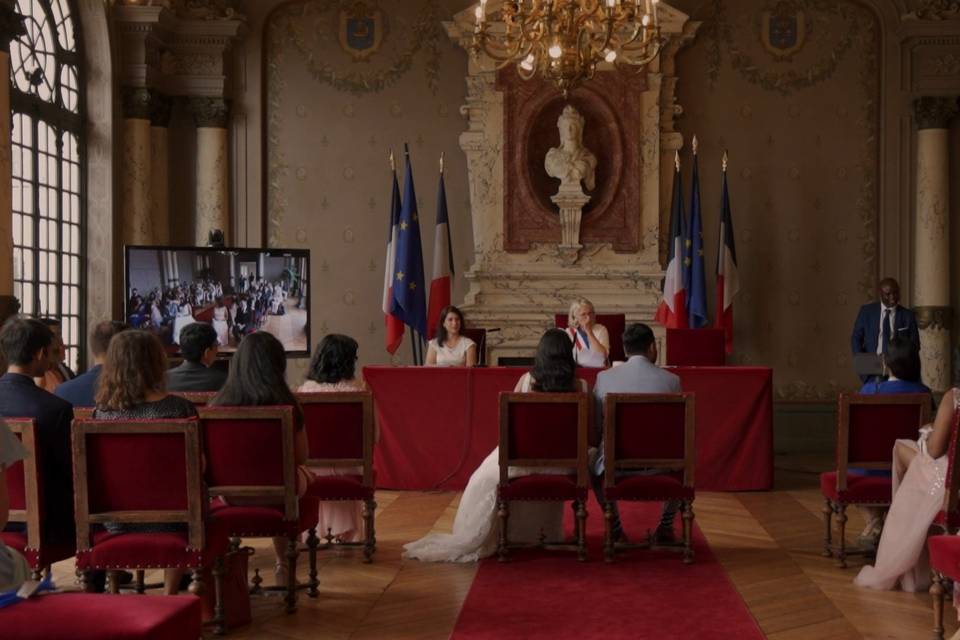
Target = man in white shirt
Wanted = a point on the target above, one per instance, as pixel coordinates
(639, 374)
(878, 322)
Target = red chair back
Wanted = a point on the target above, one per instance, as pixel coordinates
(544, 430)
(24, 482)
(696, 347)
(615, 323)
(648, 430)
(479, 336)
(339, 430)
(249, 452)
(869, 425)
(951, 500)
(137, 471)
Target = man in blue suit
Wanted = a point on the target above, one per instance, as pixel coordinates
(81, 391)
(878, 322)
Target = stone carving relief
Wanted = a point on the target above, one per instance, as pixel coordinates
(934, 10)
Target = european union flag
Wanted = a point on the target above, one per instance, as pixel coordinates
(696, 281)
(409, 292)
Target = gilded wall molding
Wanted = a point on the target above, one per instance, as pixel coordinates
(934, 112)
(934, 10)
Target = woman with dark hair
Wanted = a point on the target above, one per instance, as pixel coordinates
(333, 369)
(901, 363)
(256, 379)
(450, 348)
(132, 386)
(475, 528)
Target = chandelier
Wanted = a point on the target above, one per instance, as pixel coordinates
(565, 40)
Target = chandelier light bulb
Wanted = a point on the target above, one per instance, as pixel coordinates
(527, 63)
(645, 20)
(555, 51)
(610, 55)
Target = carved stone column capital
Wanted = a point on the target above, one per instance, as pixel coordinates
(935, 112)
(210, 112)
(137, 102)
(160, 109)
(11, 24)
(934, 317)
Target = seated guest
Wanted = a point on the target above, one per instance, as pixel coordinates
(256, 378)
(591, 341)
(59, 372)
(26, 345)
(449, 348)
(13, 566)
(81, 390)
(333, 369)
(199, 347)
(131, 387)
(639, 374)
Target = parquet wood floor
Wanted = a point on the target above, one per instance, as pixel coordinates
(768, 542)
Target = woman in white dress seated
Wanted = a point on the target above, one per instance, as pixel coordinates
(591, 341)
(475, 527)
(919, 472)
(449, 348)
(332, 369)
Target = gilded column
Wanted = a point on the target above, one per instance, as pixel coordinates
(11, 26)
(136, 180)
(213, 195)
(931, 251)
(159, 168)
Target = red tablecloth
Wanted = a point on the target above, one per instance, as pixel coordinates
(438, 424)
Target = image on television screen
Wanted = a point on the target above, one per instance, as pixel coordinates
(238, 291)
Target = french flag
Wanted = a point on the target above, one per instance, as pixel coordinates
(394, 325)
(728, 278)
(442, 261)
(672, 311)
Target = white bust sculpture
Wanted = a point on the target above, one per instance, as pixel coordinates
(571, 162)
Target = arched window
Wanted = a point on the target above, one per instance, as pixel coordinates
(48, 176)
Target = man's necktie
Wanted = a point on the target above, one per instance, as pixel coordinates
(885, 334)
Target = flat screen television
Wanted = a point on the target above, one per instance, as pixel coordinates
(238, 291)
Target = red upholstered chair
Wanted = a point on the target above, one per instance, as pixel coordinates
(867, 428)
(24, 485)
(615, 324)
(340, 434)
(479, 336)
(944, 563)
(250, 454)
(88, 616)
(695, 348)
(547, 430)
(163, 456)
(198, 398)
(649, 431)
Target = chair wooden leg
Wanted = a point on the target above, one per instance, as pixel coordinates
(828, 529)
(255, 583)
(291, 598)
(608, 550)
(86, 580)
(219, 615)
(234, 544)
(196, 582)
(370, 531)
(842, 535)
(140, 585)
(936, 593)
(113, 582)
(503, 514)
(688, 531)
(581, 530)
(36, 574)
(312, 543)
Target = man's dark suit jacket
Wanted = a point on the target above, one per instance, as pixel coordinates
(866, 330)
(193, 376)
(21, 398)
(81, 390)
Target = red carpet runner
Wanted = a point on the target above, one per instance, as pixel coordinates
(644, 594)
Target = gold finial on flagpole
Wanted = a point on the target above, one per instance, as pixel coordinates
(695, 144)
(441, 163)
(393, 162)
(676, 159)
(724, 161)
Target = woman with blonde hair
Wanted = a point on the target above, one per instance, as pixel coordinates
(591, 341)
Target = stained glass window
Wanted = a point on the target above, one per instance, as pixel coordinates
(48, 178)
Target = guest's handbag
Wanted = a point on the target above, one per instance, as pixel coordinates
(236, 593)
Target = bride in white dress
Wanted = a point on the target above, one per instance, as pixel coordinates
(220, 323)
(475, 527)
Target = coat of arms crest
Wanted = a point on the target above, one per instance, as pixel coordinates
(783, 29)
(361, 29)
